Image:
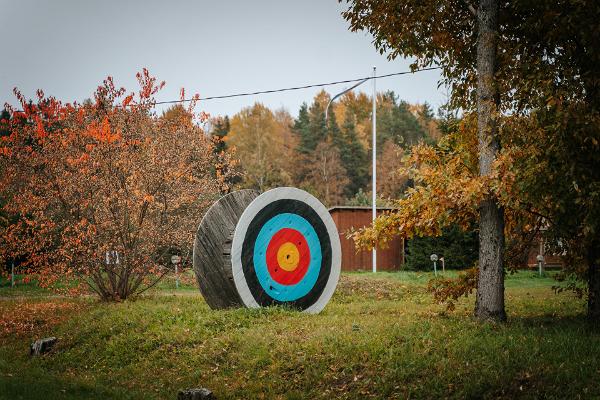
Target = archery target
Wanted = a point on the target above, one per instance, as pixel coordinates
(286, 250)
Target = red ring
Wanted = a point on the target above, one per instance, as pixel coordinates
(278, 274)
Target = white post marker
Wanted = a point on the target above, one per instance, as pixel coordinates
(12, 275)
(540, 260)
(434, 258)
(112, 257)
(374, 183)
(175, 260)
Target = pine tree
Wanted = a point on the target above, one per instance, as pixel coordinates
(395, 122)
(221, 127)
(317, 126)
(301, 130)
(354, 158)
(334, 134)
(4, 125)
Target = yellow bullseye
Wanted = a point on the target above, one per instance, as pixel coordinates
(288, 256)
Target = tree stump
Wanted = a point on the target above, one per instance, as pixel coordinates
(42, 346)
(278, 248)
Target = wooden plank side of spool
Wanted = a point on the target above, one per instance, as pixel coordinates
(212, 248)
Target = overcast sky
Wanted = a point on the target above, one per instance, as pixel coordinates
(67, 47)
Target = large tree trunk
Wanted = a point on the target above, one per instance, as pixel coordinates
(593, 313)
(490, 287)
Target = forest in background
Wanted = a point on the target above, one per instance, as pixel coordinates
(330, 158)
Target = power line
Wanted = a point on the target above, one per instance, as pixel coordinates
(227, 96)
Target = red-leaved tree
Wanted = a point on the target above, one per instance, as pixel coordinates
(103, 189)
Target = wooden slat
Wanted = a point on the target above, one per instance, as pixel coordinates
(212, 249)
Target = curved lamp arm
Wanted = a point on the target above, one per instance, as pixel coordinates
(342, 93)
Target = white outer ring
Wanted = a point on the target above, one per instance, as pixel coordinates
(242, 227)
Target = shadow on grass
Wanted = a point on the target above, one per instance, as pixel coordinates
(576, 323)
(37, 384)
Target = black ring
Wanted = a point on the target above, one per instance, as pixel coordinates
(269, 211)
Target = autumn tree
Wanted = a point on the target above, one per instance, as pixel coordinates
(261, 141)
(512, 62)
(552, 167)
(327, 177)
(428, 122)
(463, 40)
(359, 106)
(103, 188)
(391, 182)
(218, 129)
(4, 216)
(292, 163)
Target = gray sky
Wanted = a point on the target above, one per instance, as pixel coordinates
(68, 47)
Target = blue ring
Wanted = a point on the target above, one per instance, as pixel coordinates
(271, 227)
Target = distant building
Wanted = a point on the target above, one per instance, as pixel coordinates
(550, 259)
(348, 217)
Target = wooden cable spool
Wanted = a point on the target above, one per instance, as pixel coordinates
(277, 248)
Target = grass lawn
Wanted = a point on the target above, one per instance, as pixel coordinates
(380, 337)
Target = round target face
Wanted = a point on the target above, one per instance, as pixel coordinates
(286, 250)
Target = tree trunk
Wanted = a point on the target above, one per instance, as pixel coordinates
(490, 287)
(593, 313)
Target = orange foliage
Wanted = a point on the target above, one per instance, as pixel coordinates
(87, 179)
(31, 317)
(447, 191)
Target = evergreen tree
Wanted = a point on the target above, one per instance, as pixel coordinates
(354, 158)
(317, 126)
(301, 130)
(221, 127)
(459, 249)
(395, 122)
(334, 134)
(4, 126)
(426, 113)
(311, 129)
(220, 130)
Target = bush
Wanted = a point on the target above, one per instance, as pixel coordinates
(459, 249)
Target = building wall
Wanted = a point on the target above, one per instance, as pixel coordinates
(554, 260)
(389, 259)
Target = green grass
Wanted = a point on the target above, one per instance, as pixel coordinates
(20, 289)
(380, 337)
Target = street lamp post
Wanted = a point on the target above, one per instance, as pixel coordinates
(374, 183)
(374, 139)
